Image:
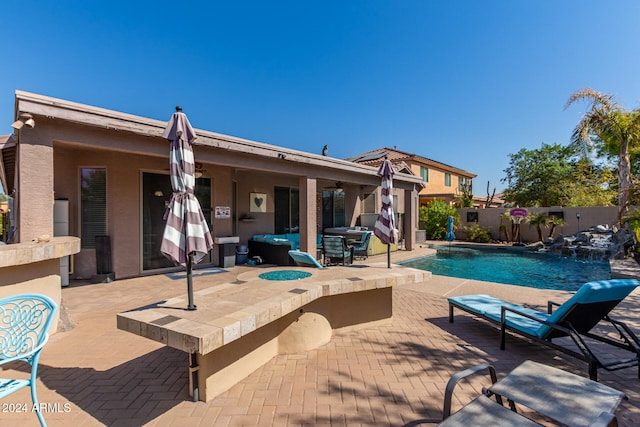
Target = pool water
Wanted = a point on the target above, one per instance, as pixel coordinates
(531, 269)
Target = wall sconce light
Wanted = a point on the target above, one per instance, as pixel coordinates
(158, 193)
(24, 119)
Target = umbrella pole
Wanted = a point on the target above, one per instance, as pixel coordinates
(191, 305)
(388, 256)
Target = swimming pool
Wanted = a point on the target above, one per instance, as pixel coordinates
(531, 269)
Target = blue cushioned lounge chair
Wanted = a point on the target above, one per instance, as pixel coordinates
(576, 318)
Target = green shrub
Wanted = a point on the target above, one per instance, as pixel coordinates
(477, 234)
(433, 219)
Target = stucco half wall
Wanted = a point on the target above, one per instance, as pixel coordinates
(35, 267)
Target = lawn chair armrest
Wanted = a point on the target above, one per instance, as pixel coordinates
(528, 316)
(550, 305)
(453, 381)
(503, 324)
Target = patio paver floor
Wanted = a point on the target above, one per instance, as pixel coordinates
(392, 375)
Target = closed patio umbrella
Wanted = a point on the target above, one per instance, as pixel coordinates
(450, 234)
(186, 237)
(385, 226)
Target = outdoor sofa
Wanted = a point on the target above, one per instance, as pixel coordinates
(274, 248)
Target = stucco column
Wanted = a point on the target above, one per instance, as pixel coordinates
(308, 215)
(411, 222)
(35, 185)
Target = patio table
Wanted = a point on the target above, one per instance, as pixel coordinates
(562, 396)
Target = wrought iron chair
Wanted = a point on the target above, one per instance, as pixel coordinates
(24, 330)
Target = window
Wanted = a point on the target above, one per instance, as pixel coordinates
(424, 173)
(287, 210)
(447, 180)
(369, 203)
(156, 195)
(93, 205)
(333, 209)
(464, 184)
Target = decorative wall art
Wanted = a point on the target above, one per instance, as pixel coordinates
(258, 202)
(223, 212)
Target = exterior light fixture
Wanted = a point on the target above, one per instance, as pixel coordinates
(24, 119)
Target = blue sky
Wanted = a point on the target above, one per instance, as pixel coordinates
(462, 82)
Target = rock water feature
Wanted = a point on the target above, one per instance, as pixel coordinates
(599, 243)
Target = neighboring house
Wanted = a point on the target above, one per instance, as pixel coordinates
(108, 173)
(493, 201)
(441, 181)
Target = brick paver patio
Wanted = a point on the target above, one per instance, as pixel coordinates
(94, 374)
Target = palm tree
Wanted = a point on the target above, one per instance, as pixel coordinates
(555, 221)
(608, 122)
(538, 219)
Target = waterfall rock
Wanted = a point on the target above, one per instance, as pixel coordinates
(597, 243)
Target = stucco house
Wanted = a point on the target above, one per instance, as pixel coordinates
(441, 181)
(105, 173)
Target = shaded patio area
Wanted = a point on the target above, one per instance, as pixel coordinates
(393, 374)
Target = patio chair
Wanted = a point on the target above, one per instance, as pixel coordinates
(24, 330)
(335, 250)
(361, 247)
(576, 318)
(556, 394)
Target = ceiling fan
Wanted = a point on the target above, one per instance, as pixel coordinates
(338, 186)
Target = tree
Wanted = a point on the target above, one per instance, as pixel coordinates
(539, 220)
(465, 198)
(554, 222)
(433, 218)
(538, 177)
(592, 185)
(609, 125)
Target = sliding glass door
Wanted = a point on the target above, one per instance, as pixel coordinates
(156, 194)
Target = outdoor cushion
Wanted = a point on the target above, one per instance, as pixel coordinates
(304, 258)
(592, 292)
(291, 239)
(490, 307)
(589, 293)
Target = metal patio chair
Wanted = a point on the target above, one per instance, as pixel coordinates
(336, 251)
(24, 330)
(361, 247)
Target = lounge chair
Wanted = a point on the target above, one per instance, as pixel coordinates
(576, 318)
(556, 394)
(304, 259)
(335, 250)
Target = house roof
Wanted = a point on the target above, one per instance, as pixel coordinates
(47, 108)
(376, 156)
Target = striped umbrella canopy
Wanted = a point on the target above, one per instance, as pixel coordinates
(385, 226)
(186, 237)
